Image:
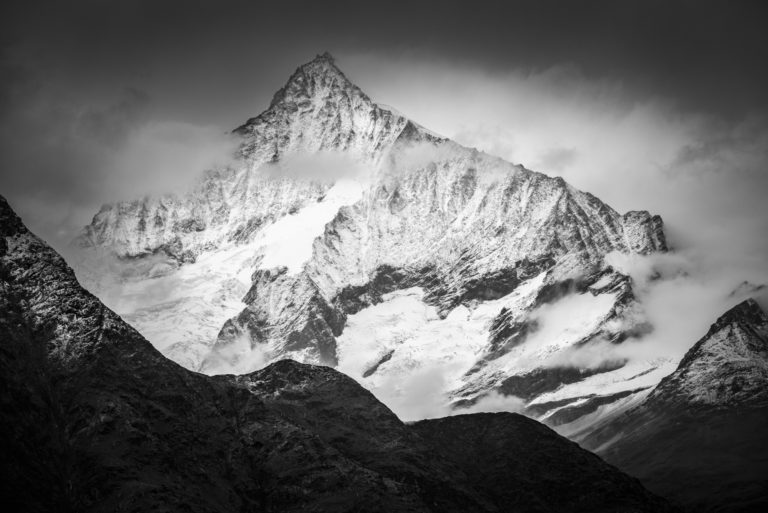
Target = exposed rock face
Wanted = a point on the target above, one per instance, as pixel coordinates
(705, 423)
(95, 419)
(467, 229)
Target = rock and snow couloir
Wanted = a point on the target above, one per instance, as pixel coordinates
(403, 252)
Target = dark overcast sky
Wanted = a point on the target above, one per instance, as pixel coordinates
(78, 78)
(209, 58)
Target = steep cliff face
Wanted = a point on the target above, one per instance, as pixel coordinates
(95, 419)
(389, 207)
(704, 423)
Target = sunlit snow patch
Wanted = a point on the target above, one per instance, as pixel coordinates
(182, 312)
(288, 241)
(409, 358)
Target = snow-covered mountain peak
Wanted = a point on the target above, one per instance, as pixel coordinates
(315, 78)
(340, 212)
(320, 109)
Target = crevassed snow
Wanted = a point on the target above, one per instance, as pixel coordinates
(423, 347)
(288, 241)
(402, 321)
(181, 310)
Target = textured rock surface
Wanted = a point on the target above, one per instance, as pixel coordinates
(705, 423)
(465, 228)
(95, 419)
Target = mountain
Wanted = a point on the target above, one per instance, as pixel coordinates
(348, 235)
(95, 419)
(699, 436)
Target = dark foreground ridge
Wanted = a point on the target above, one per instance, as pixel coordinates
(94, 419)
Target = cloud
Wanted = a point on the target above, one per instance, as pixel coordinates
(418, 154)
(420, 395)
(680, 296)
(162, 157)
(323, 166)
(62, 157)
(557, 159)
(111, 124)
(250, 357)
(493, 402)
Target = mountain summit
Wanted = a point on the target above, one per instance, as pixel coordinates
(319, 109)
(350, 236)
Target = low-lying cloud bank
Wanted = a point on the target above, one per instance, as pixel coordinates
(422, 395)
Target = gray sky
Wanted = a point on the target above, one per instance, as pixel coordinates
(653, 105)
